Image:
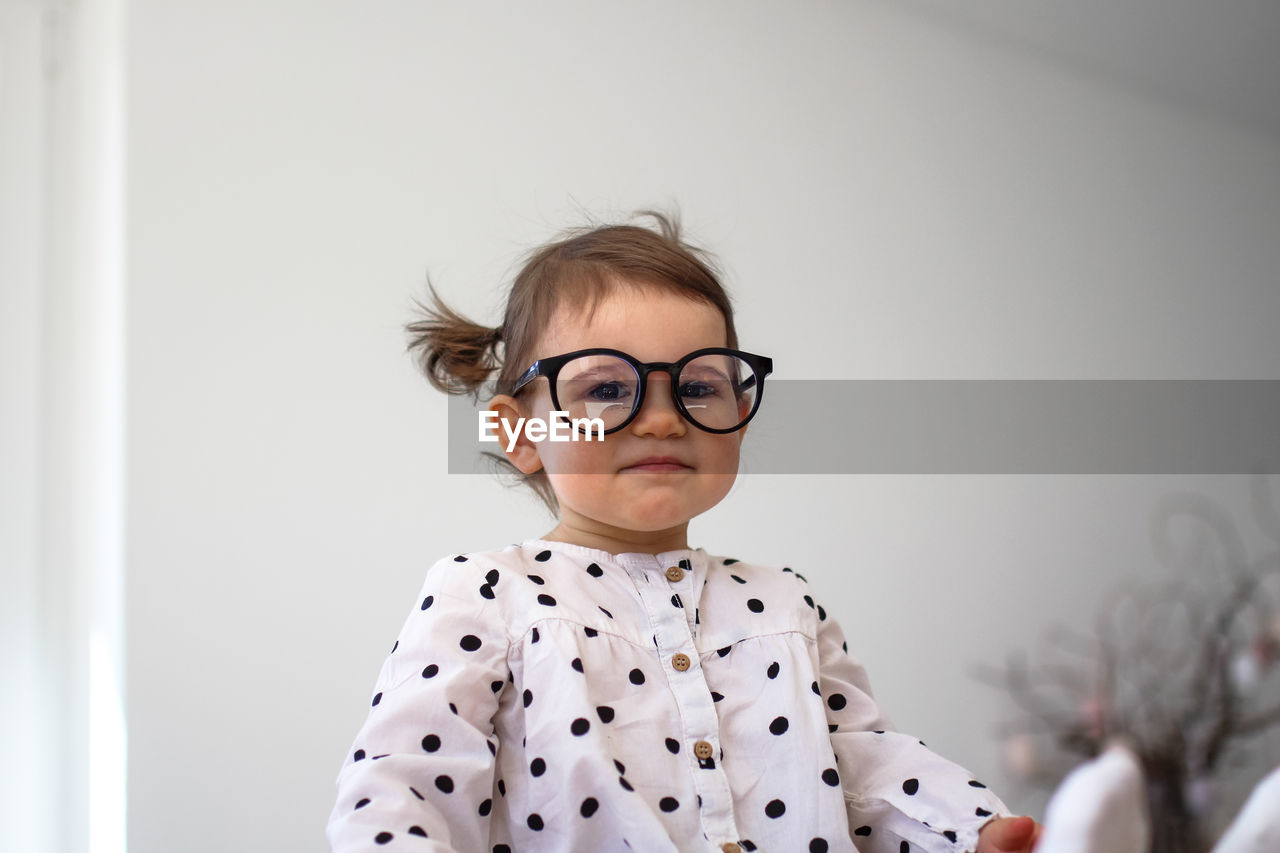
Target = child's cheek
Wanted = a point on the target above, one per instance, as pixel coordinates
(576, 457)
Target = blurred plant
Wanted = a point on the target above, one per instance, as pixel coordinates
(1180, 670)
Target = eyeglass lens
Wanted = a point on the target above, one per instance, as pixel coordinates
(717, 391)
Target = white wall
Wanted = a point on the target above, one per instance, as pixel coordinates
(890, 199)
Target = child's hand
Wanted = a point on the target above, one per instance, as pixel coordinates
(1009, 835)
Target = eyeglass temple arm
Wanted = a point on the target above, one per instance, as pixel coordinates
(528, 376)
(750, 382)
(757, 375)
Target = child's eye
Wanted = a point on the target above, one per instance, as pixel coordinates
(607, 391)
(698, 390)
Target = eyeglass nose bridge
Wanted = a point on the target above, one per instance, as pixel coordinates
(643, 372)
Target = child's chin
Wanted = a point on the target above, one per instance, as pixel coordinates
(661, 517)
(652, 523)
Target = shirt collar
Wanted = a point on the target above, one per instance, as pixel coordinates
(692, 557)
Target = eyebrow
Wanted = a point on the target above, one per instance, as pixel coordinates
(703, 369)
(594, 372)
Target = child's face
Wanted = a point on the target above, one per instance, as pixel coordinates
(598, 483)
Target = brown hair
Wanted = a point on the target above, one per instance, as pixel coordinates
(460, 356)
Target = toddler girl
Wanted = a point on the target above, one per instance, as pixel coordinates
(607, 687)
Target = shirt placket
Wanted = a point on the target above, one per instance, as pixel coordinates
(658, 582)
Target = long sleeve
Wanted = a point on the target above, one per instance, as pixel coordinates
(899, 795)
(420, 774)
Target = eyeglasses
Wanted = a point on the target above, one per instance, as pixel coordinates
(715, 389)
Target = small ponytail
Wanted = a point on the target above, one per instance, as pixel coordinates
(457, 355)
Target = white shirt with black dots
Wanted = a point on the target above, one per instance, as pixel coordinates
(551, 697)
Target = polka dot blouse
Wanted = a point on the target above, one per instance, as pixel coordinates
(550, 697)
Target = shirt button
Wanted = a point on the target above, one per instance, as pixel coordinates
(680, 661)
(730, 847)
(702, 749)
(675, 574)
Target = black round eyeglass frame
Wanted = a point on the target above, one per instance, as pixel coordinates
(761, 366)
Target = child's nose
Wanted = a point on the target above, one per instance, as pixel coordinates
(658, 416)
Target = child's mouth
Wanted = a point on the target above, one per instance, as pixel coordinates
(658, 464)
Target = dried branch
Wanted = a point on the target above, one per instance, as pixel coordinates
(1170, 666)
(1258, 721)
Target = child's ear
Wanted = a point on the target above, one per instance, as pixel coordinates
(523, 453)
